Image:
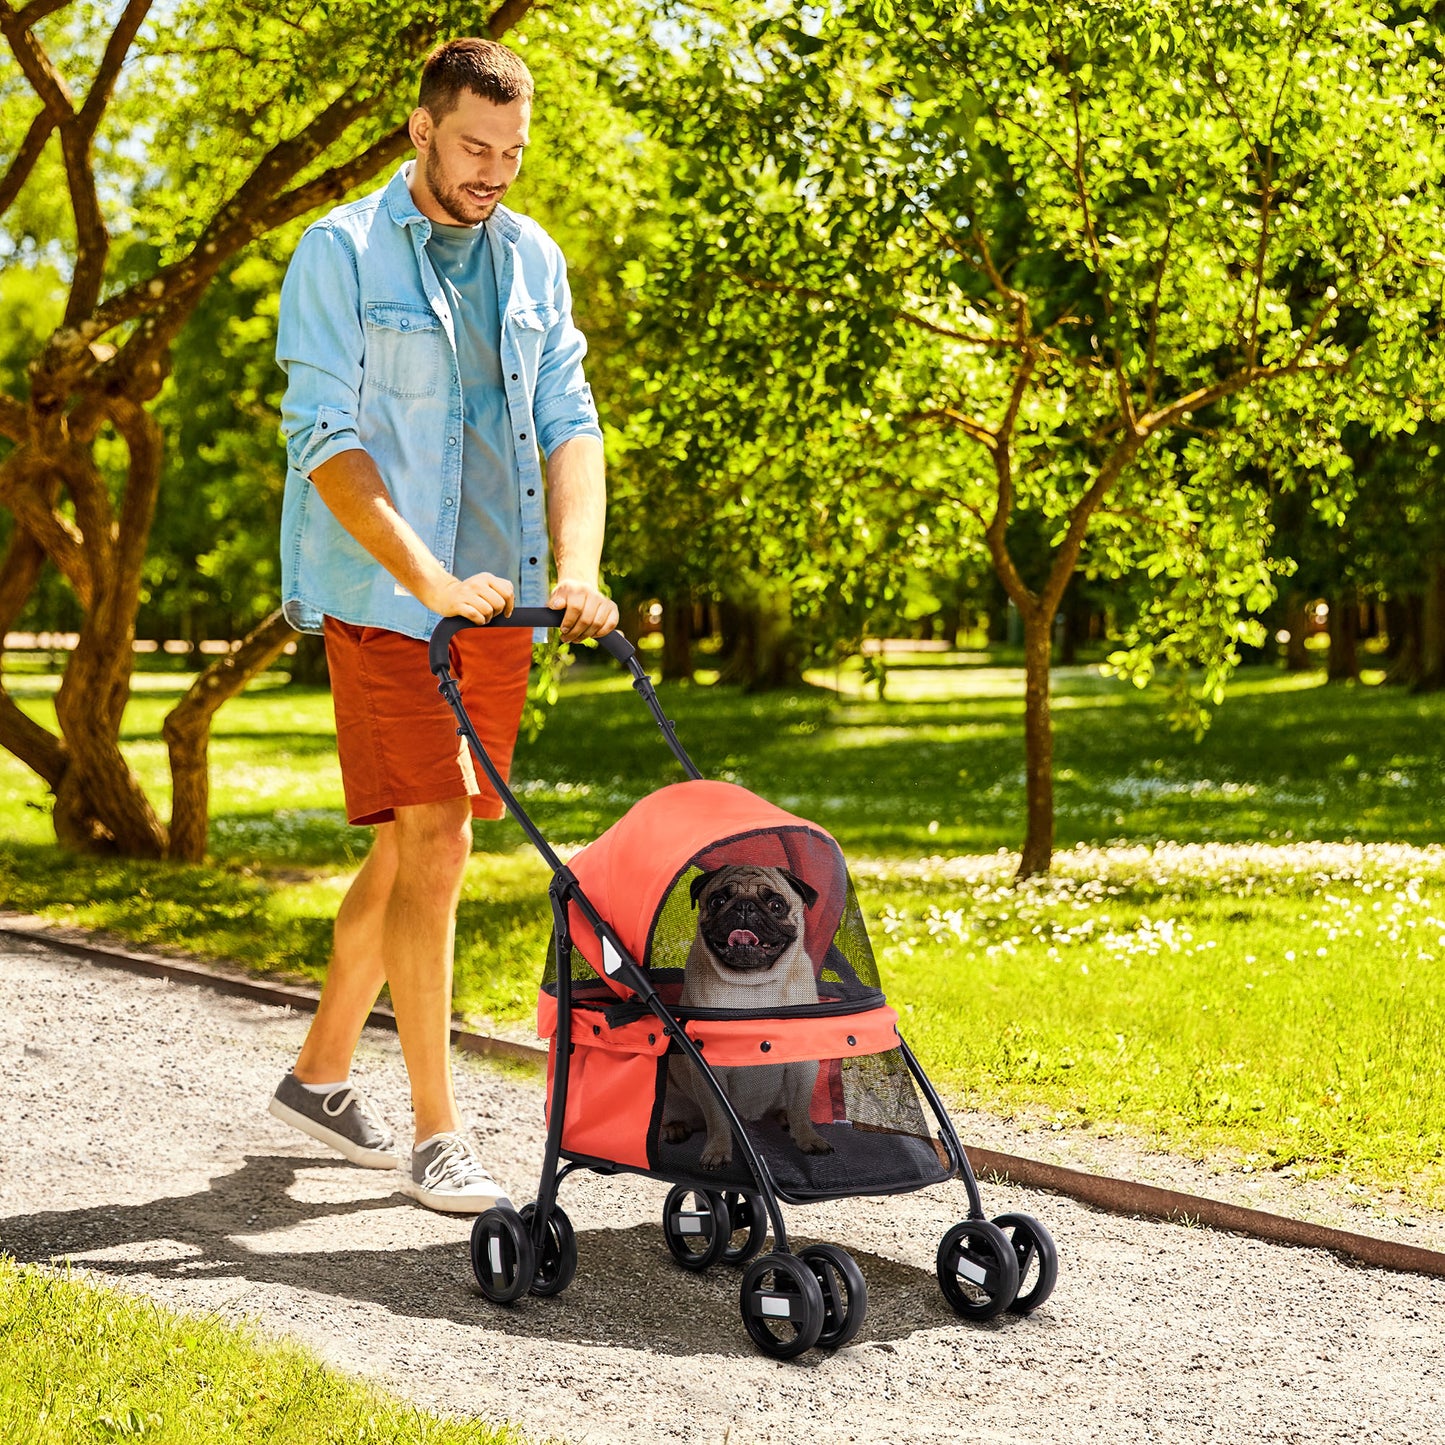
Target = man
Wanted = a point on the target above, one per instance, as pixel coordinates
(427, 339)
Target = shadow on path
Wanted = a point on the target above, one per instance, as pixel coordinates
(628, 1292)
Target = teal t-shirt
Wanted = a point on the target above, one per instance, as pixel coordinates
(489, 526)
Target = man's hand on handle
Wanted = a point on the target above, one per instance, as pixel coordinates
(589, 613)
(478, 598)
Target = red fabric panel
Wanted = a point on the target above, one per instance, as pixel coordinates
(740, 1041)
(610, 1099)
(591, 1030)
(627, 872)
(828, 1104)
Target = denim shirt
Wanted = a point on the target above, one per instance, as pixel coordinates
(367, 343)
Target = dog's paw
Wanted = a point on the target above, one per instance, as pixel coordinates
(716, 1156)
(813, 1143)
(675, 1133)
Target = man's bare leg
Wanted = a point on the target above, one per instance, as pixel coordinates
(357, 970)
(433, 841)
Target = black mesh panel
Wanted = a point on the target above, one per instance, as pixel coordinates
(872, 1123)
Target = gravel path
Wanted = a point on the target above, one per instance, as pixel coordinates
(141, 1150)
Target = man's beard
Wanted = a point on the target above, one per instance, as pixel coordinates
(462, 208)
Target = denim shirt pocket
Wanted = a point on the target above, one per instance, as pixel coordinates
(529, 327)
(404, 349)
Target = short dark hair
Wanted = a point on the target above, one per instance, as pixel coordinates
(480, 66)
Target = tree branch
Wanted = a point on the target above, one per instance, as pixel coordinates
(118, 46)
(26, 488)
(31, 149)
(333, 184)
(1066, 558)
(505, 16)
(187, 731)
(35, 63)
(971, 426)
(14, 419)
(32, 14)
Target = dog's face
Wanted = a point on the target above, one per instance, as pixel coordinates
(750, 917)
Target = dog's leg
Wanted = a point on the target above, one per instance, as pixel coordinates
(680, 1115)
(717, 1153)
(798, 1083)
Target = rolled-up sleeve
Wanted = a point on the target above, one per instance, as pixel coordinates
(319, 345)
(563, 405)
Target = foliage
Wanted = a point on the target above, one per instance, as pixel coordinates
(952, 276)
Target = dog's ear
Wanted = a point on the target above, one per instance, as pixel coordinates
(701, 882)
(805, 891)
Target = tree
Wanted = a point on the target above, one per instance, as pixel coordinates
(1096, 269)
(200, 130)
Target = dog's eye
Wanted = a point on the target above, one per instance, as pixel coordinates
(777, 905)
(716, 900)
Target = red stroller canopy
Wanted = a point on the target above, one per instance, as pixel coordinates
(630, 870)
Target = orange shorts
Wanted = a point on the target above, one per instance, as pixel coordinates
(397, 737)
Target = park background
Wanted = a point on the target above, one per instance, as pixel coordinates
(1023, 431)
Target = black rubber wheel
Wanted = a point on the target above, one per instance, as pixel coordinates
(1038, 1259)
(557, 1259)
(502, 1256)
(782, 1305)
(696, 1226)
(845, 1296)
(748, 1217)
(978, 1270)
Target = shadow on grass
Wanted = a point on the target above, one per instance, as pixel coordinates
(628, 1292)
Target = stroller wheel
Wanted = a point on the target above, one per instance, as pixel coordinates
(502, 1256)
(845, 1296)
(696, 1226)
(745, 1212)
(557, 1258)
(782, 1305)
(978, 1270)
(1038, 1260)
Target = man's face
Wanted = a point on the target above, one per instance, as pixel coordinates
(468, 159)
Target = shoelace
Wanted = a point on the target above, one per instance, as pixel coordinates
(349, 1095)
(454, 1166)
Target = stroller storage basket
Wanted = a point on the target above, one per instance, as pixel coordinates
(715, 1019)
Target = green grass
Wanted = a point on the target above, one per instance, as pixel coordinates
(1149, 987)
(79, 1362)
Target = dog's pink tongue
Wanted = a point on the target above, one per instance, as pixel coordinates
(742, 936)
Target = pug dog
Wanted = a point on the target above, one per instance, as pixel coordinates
(747, 954)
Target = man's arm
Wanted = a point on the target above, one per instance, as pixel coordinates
(351, 486)
(576, 515)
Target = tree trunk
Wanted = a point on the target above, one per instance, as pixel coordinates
(677, 639)
(1403, 616)
(1432, 629)
(187, 731)
(1296, 620)
(1344, 634)
(765, 655)
(1038, 848)
(308, 663)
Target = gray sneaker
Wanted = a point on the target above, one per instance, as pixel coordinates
(447, 1175)
(344, 1119)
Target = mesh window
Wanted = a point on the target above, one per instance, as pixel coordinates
(864, 1130)
(807, 872)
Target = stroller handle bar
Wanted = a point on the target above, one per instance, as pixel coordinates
(448, 627)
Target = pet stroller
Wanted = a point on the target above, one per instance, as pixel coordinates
(799, 1102)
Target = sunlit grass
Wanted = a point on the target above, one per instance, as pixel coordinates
(1018, 998)
(82, 1362)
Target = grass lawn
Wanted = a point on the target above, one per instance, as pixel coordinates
(79, 1362)
(1243, 945)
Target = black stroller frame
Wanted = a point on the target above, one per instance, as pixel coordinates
(790, 1302)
